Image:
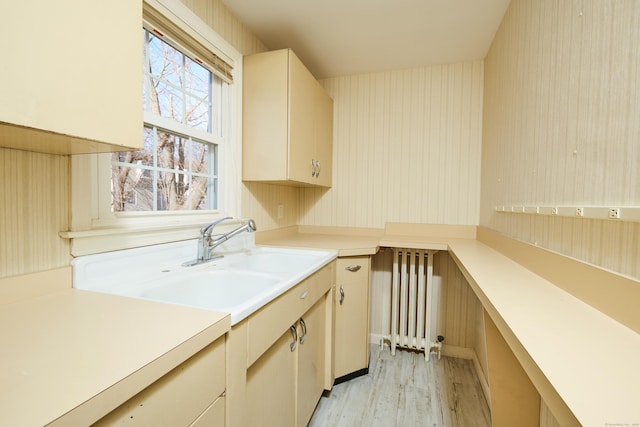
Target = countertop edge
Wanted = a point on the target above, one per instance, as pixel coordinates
(100, 405)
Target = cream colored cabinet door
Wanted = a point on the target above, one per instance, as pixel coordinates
(311, 360)
(71, 80)
(324, 137)
(302, 122)
(352, 315)
(287, 122)
(271, 388)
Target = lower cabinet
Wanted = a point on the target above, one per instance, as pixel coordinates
(351, 336)
(286, 382)
(271, 384)
(311, 360)
(285, 345)
(192, 394)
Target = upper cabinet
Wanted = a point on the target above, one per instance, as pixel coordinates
(71, 77)
(287, 122)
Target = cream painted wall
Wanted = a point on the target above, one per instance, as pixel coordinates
(562, 125)
(258, 201)
(406, 148)
(34, 206)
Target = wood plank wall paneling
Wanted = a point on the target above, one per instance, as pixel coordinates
(258, 201)
(34, 207)
(562, 125)
(406, 148)
(216, 14)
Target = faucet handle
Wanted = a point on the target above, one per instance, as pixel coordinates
(205, 231)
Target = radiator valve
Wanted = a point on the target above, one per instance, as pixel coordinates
(437, 346)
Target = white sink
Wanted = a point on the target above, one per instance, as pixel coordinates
(241, 282)
(270, 260)
(214, 289)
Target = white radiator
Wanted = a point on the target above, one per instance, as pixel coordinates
(414, 312)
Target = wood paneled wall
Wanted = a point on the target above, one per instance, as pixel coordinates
(406, 148)
(216, 14)
(562, 125)
(34, 207)
(258, 201)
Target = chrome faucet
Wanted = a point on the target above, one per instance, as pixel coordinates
(207, 242)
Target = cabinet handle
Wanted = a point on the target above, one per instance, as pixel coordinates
(304, 294)
(353, 268)
(315, 168)
(341, 294)
(294, 332)
(304, 330)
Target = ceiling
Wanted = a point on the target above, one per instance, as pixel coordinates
(344, 37)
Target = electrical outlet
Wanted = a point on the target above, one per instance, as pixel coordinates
(579, 212)
(614, 213)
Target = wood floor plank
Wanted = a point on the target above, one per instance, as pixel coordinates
(404, 390)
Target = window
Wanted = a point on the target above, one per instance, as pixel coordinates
(184, 104)
(189, 170)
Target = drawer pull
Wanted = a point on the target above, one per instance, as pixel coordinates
(353, 268)
(294, 333)
(341, 294)
(304, 294)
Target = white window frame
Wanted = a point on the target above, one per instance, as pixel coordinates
(95, 228)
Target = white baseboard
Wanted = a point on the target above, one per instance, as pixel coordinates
(483, 379)
(459, 352)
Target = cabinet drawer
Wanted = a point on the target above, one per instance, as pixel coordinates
(352, 269)
(267, 324)
(180, 396)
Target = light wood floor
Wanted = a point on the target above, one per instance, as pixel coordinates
(405, 390)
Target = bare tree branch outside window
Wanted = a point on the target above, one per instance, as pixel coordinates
(172, 171)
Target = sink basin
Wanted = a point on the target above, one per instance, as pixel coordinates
(273, 261)
(214, 290)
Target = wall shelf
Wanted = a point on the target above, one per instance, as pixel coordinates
(614, 213)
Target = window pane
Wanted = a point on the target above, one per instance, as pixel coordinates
(135, 189)
(171, 191)
(198, 114)
(199, 193)
(198, 79)
(166, 100)
(198, 156)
